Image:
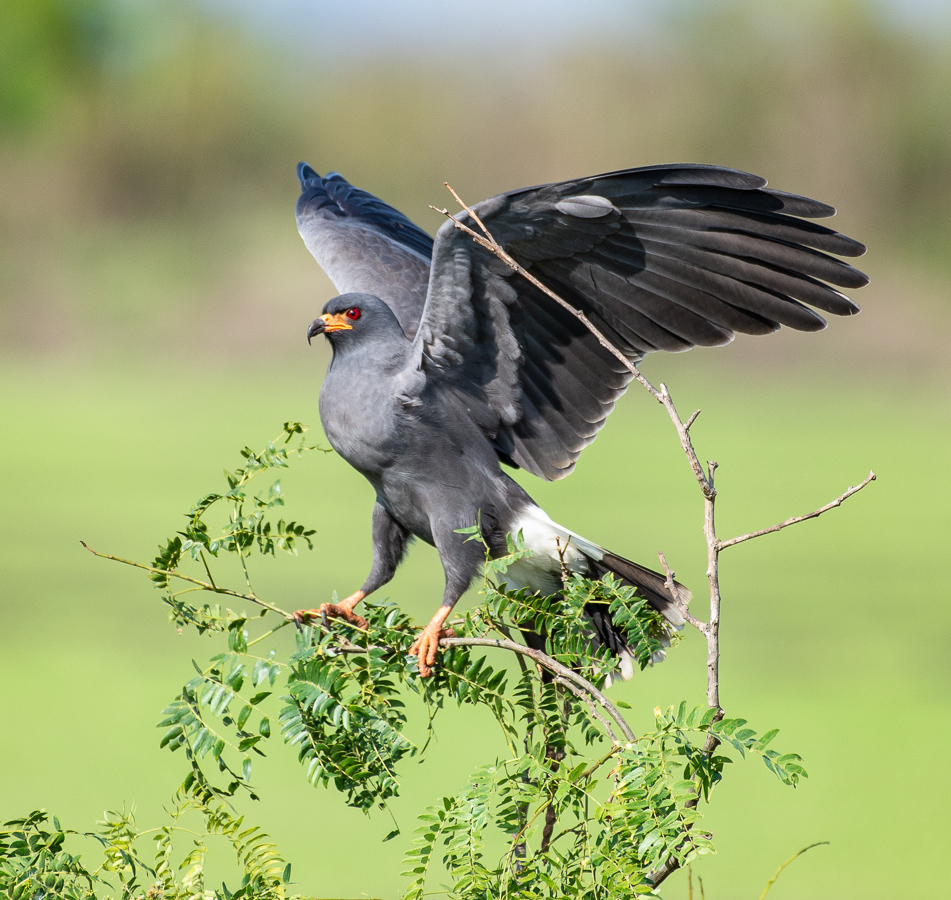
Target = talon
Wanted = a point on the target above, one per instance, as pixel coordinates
(426, 646)
(300, 617)
(342, 610)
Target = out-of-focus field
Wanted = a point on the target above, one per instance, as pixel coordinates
(153, 304)
(834, 631)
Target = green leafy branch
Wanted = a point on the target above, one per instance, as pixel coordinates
(41, 859)
(579, 805)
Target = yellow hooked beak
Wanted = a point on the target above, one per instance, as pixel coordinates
(328, 322)
(335, 322)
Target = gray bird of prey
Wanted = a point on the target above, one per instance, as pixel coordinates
(447, 364)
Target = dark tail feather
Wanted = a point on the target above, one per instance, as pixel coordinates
(651, 585)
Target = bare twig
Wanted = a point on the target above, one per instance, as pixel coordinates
(565, 571)
(490, 244)
(705, 480)
(669, 580)
(712, 630)
(722, 545)
(345, 645)
(672, 588)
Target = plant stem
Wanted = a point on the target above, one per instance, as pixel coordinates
(204, 585)
(543, 659)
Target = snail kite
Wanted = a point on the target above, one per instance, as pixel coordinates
(446, 363)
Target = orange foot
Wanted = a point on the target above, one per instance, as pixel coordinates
(426, 645)
(342, 610)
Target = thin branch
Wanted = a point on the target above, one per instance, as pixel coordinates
(344, 645)
(581, 695)
(712, 630)
(204, 585)
(204, 562)
(789, 861)
(686, 444)
(267, 634)
(490, 244)
(671, 587)
(722, 545)
(543, 659)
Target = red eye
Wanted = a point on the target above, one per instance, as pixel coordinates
(353, 313)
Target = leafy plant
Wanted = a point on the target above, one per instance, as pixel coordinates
(579, 805)
(35, 861)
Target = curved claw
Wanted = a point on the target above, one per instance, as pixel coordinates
(342, 610)
(426, 646)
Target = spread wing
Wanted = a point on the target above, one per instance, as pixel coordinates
(364, 245)
(658, 258)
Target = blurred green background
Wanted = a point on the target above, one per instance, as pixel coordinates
(153, 303)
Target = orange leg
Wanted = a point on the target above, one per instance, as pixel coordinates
(427, 644)
(341, 610)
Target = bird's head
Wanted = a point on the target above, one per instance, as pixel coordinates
(354, 319)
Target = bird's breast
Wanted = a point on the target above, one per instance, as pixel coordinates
(361, 420)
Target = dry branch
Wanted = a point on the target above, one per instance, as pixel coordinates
(203, 585)
(705, 481)
(722, 545)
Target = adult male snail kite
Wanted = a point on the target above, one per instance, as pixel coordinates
(446, 363)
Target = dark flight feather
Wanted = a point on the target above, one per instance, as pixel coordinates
(659, 258)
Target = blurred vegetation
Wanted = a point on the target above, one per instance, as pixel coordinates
(146, 150)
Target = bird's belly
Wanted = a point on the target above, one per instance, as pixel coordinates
(401, 496)
(438, 483)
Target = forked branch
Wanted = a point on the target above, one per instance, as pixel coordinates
(705, 480)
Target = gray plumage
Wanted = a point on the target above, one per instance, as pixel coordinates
(452, 363)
